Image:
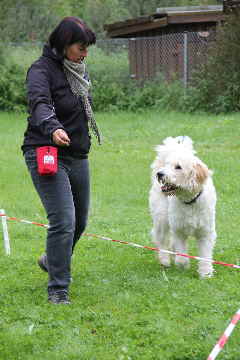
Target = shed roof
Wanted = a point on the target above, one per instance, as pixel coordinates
(165, 16)
(194, 9)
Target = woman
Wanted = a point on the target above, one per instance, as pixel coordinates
(60, 116)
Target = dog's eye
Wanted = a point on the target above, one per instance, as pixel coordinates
(178, 167)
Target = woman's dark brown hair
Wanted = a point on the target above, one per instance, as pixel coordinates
(69, 31)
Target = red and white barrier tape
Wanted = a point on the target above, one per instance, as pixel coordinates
(225, 336)
(132, 244)
(25, 221)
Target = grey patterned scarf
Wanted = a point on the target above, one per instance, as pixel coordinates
(80, 86)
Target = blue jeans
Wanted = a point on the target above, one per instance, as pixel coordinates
(65, 197)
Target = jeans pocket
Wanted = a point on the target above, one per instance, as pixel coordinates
(30, 153)
(31, 159)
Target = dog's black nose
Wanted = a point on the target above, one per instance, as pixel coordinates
(160, 175)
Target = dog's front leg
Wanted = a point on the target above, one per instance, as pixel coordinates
(160, 233)
(206, 244)
(180, 246)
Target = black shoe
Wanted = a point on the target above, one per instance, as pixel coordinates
(42, 262)
(59, 296)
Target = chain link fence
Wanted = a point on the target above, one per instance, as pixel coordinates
(175, 56)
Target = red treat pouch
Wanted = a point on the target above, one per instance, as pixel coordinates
(47, 160)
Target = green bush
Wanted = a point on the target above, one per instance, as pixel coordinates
(112, 89)
(216, 85)
(12, 92)
(12, 84)
(110, 78)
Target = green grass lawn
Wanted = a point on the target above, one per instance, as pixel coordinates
(124, 305)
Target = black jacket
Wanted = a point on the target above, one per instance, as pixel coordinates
(52, 105)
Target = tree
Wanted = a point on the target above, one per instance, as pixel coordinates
(24, 20)
(99, 12)
(217, 83)
(146, 7)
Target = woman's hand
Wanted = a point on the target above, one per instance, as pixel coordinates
(60, 137)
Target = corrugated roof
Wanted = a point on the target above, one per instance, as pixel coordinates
(164, 17)
(190, 9)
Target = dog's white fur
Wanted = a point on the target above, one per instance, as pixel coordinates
(178, 176)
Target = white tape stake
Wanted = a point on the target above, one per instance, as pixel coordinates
(5, 233)
(225, 336)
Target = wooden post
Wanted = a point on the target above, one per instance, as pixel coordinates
(5, 233)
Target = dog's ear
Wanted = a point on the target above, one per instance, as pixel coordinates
(202, 172)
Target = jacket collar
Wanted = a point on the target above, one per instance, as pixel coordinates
(52, 53)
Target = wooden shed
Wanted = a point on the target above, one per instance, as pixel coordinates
(157, 42)
(229, 6)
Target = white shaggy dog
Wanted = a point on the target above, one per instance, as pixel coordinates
(182, 203)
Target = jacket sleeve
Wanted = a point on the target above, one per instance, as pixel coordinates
(40, 102)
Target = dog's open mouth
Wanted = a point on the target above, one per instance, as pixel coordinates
(168, 188)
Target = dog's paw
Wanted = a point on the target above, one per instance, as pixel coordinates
(205, 271)
(206, 275)
(182, 262)
(164, 259)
